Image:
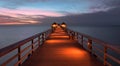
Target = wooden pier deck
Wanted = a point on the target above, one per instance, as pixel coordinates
(59, 50)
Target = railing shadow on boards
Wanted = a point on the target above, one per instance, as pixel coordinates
(105, 53)
(23, 48)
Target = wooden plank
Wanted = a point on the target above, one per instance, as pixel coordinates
(61, 52)
(66, 41)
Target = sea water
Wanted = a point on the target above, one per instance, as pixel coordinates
(12, 34)
(106, 33)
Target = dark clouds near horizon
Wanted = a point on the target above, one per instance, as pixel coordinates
(111, 17)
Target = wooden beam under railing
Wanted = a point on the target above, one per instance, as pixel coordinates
(18, 45)
(89, 42)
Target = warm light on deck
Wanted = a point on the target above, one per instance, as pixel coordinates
(60, 37)
(73, 53)
(57, 41)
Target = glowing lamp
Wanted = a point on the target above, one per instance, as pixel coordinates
(63, 25)
(54, 25)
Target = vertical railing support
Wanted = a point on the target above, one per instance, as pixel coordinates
(43, 38)
(19, 55)
(81, 40)
(105, 56)
(90, 45)
(32, 42)
(39, 40)
(76, 35)
(70, 35)
(22, 47)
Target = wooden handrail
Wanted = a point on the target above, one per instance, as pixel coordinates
(41, 37)
(6, 50)
(90, 40)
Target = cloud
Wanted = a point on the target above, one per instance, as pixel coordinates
(105, 4)
(19, 12)
(70, 6)
(99, 12)
(103, 18)
(114, 3)
(6, 20)
(96, 3)
(15, 21)
(25, 16)
(13, 4)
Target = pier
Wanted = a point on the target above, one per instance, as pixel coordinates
(61, 46)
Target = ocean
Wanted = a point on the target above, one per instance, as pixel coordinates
(106, 33)
(12, 34)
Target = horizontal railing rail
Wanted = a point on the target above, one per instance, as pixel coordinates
(35, 41)
(89, 41)
(96, 47)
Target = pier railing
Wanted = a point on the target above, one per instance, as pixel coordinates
(24, 48)
(98, 48)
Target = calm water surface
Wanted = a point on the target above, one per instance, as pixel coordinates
(12, 34)
(107, 34)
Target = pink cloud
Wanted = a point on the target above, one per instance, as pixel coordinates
(25, 16)
(12, 23)
(30, 12)
(19, 22)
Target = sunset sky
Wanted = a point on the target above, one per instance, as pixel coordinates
(73, 12)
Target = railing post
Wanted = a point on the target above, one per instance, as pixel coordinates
(82, 40)
(70, 35)
(105, 56)
(76, 35)
(43, 38)
(73, 36)
(39, 40)
(19, 56)
(90, 45)
(32, 45)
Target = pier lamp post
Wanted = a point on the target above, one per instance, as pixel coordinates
(63, 25)
(54, 25)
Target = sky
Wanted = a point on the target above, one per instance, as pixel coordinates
(73, 12)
